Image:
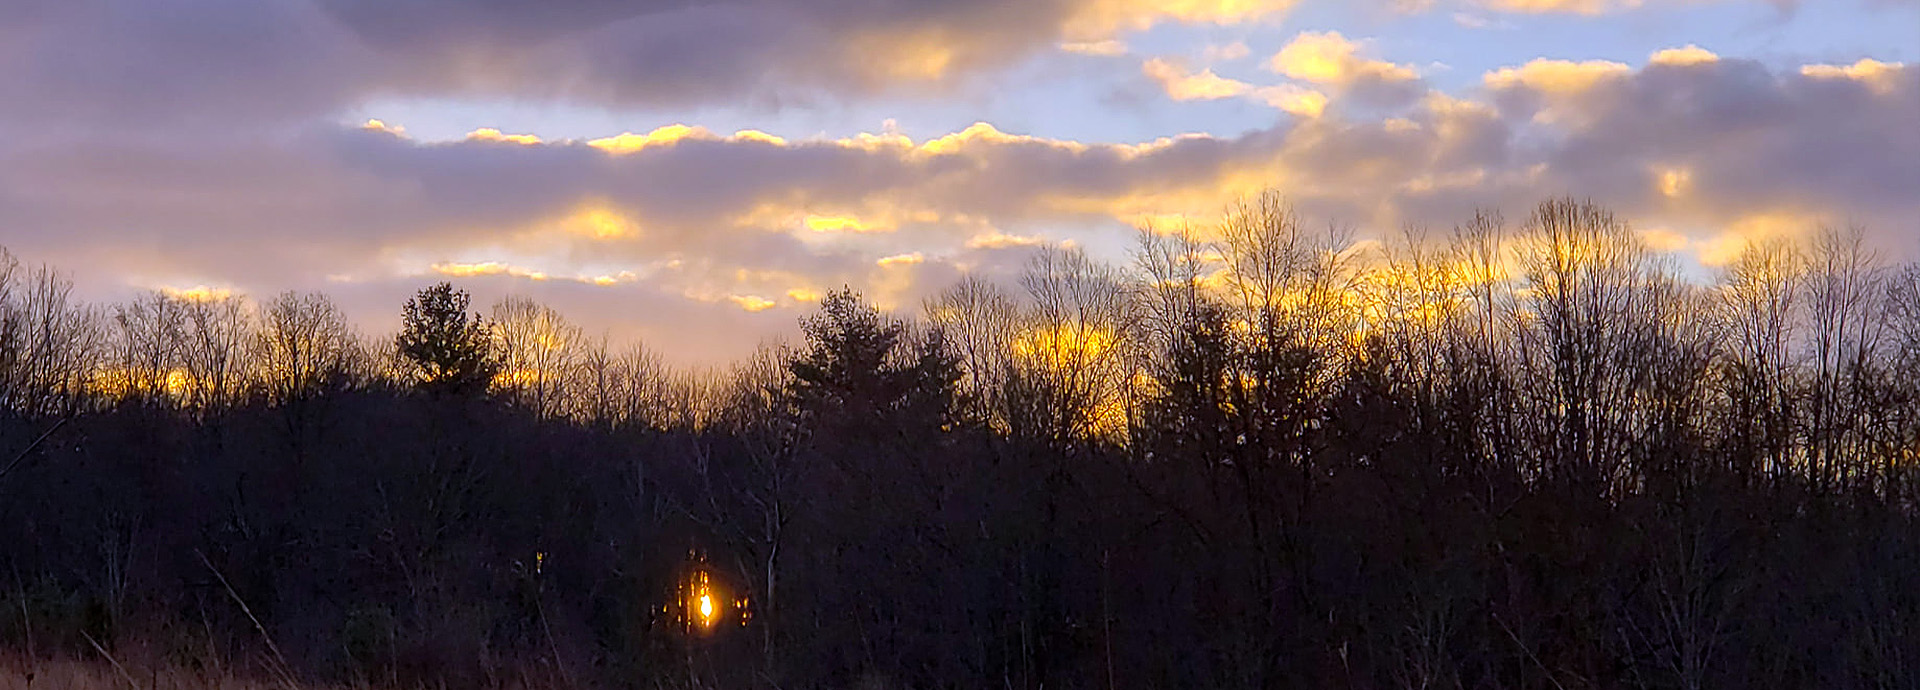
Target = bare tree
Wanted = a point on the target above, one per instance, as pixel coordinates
(1844, 288)
(629, 387)
(147, 344)
(1592, 308)
(217, 338)
(302, 343)
(1757, 305)
(979, 321)
(541, 351)
(54, 342)
(1071, 361)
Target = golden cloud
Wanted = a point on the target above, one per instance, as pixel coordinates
(984, 133)
(1329, 58)
(1877, 75)
(801, 294)
(1755, 229)
(601, 221)
(1098, 19)
(840, 223)
(1557, 76)
(1000, 240)
(377, 125)
(628, 142)
(1675, 182)
(1182, 85)
(491, 134)
(1294, 99)
(197, 293)
(1587, 7)
(485, 268)
(1664, 239)
(752, 303)
(1681, 57)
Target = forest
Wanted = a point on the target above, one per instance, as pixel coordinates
(1526, 453)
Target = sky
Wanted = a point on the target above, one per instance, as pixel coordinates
(693, 174)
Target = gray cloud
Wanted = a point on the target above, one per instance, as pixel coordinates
(679, 229)
(223, 64)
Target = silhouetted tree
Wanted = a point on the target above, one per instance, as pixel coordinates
(860, 366)
(450, 349)
(1528, 457)
(540, 354)
(303, 343)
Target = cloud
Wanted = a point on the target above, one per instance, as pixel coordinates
(1557, 76)
(225, 64)
(1182, 85)
(1880, 76)
(1105, 17)
(1225, 53)
(907, 259)
(456, 269)
(1683, 57)
(1329, 58)
(1294, 99)
(752, 303)
(1475, 21)
(683, 225)
(491, 134)
(197, 293)
(1103, 48)
(1588, 7)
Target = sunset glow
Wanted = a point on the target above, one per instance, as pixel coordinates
(1023, 344)
(654, 194)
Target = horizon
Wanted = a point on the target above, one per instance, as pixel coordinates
(1035, 344)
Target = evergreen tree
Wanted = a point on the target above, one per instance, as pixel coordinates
(451, 350)
(860, 363)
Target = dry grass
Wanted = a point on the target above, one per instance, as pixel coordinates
(70, 674)
(100, 674)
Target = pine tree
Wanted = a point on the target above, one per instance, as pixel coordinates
(451, 350)
(860, 364)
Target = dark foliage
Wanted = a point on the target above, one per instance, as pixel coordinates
(1596, 477)
(451, 350)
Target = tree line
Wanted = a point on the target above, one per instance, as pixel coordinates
(1506, 455)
